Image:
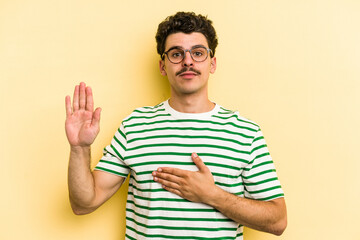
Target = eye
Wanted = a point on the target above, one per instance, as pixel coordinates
(198, 52)
(176, 53)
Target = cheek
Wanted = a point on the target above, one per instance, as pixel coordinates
(171, 70)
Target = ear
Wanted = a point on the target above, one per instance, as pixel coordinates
(213, 65)
(162, 67)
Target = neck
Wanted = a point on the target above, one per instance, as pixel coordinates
(191, 104)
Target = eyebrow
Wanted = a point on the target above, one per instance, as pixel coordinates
(180, 47)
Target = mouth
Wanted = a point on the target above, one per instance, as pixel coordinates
(188, 73)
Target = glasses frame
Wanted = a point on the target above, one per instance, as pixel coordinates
(209, 51)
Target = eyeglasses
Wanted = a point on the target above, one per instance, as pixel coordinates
(177, 54)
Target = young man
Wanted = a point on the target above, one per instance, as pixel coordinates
(197, 170)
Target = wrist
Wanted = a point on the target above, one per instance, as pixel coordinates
(79, 149)
(214, 196)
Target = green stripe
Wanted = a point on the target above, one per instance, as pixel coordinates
(258, 174)
(237, 118)
(180, 163)
(144, 172)
(258, 138)
(142, 181)
(107, 152)
(190, 137)
(153, 107)
(178, 218)
(264, 190)
(148, 189)
(146, 117)
(224, 175)
(131, 238)
(191, 121)
(117, 153)
(258, 147)
(191, 129)
(122, 134)
(121, 145)
(180, 228)
(187, 145)
(259, 165)
(184, 154)
(158, 110)
(113, 163)
(152, 181)
(262, 155)
(229, 184)
(271, 197)
(258, 156)
(173, 209)
(226, 110)
(222, 113)
(159, 199)
(239, 193)
(176, 237)
(111, 171)
(213, 173)
(261, 182)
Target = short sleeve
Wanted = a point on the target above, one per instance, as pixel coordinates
(112, 160)
(259, 176)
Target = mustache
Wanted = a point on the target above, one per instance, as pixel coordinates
(185, 69)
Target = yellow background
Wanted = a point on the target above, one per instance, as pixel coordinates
(291, 66)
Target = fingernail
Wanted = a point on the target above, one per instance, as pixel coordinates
(195, 155)
(159, 170)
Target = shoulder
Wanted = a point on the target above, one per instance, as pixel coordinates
(230, 116)
(147, 112)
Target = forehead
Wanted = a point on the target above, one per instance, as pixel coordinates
(185, 40)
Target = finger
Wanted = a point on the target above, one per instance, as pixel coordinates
(177, 192)
(68, 105)
(166, 177)
(173, 171)
(166, 183)
(96, 117)
(198, 162)
(76, 98)
(89, 100)
(82, 99)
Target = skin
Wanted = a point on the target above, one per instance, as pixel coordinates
(87, 190)
(189, 93)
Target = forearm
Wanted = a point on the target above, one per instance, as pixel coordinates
(80, 180)
(267, 216)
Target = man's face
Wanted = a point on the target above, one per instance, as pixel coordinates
(188, 76)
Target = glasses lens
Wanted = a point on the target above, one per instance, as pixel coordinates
(199, 54)
(176, 55)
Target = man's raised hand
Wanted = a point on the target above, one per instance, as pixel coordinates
(82, 122)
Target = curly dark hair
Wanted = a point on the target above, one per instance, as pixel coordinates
(186, 22)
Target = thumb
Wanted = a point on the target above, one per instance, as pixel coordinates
(198, 162)
(96, 117)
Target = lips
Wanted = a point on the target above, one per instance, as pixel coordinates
(190, 72)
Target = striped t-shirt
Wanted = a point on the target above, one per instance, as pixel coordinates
(232, 147)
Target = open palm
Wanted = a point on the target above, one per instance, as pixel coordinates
(82, 122)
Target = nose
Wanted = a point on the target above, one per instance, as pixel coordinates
(187, 61)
